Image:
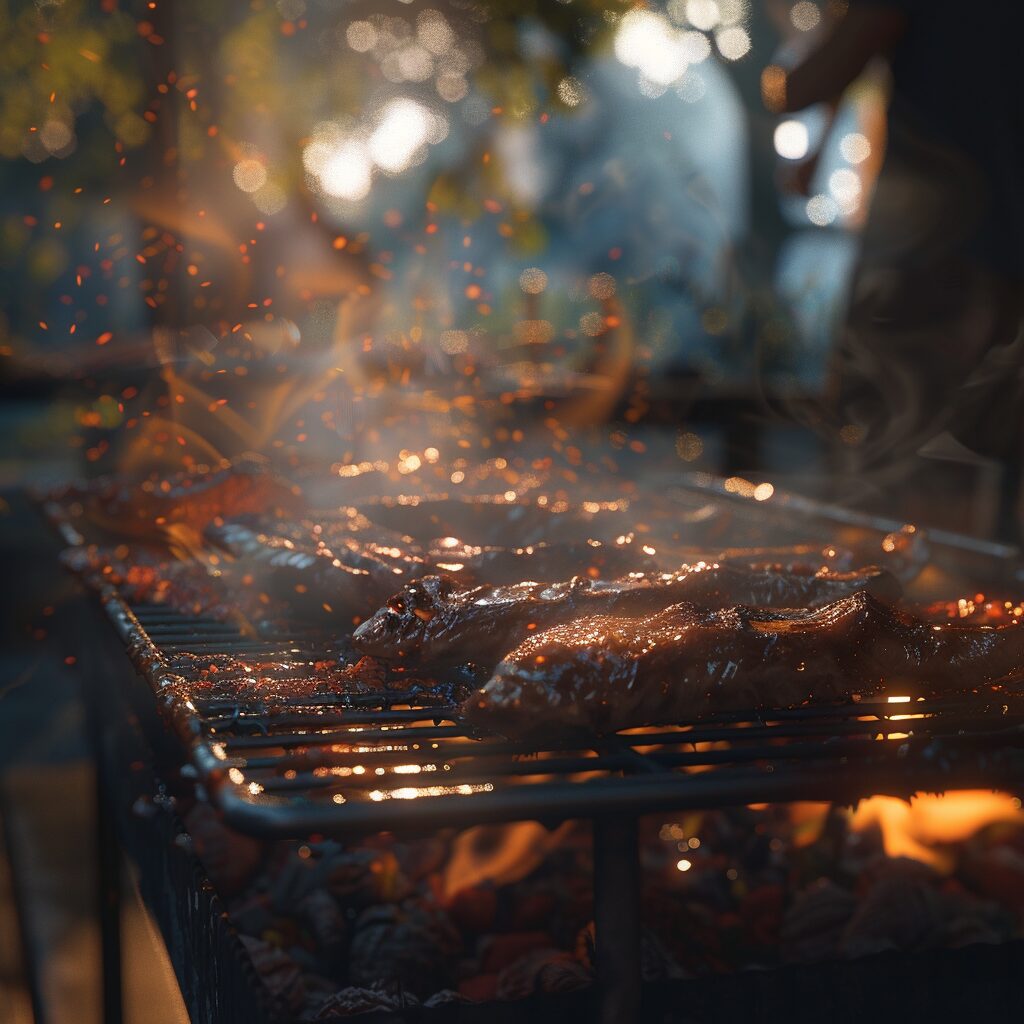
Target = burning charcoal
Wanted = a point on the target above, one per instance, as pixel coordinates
(904, 909)
(542, 971)
(413, 943)
(481, 988)
(318, 991)
(351, 1001)
(319, 912)
(533, 910)
(361, 878)
(445, 997)
(278, 971)
(499, 951)
(996, 871)
(761, 911)
(814, 923)
(419, 859)
(474, 910)
(230, 859)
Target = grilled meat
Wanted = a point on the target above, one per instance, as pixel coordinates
(542, 562)
(351, 578)
(344, 529)
(145, 575)
(601, 674)
(147, 509)
(437, 621)
(230, 678)
(548, 562)
(800, 558)
(489, 521)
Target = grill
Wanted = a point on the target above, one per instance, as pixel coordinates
(348, 766)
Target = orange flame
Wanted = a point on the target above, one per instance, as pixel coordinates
(500, 854)
(921, 827)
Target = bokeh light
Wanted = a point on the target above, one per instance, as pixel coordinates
(250, 175)
(805, 16)
(855, 147)
(733, 43)
(791, 140)
(533, 280)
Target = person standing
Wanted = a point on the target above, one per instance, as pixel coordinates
(932, 339)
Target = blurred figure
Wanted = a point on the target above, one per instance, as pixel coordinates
(932, 340)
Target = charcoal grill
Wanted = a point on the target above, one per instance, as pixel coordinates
(345, 767)
(349, 766)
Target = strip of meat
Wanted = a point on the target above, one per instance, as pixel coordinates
(148, 508)
(801, 558)
(437, 621)
(343, 529)
(605, 673)
(311, 582)
(545, 563)
(550, 562)
(273, 584)
(488, 520)
(224, 677)
(325, 573)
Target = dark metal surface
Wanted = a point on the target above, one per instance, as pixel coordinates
(16, 873)
(617, 917)
(108, 863)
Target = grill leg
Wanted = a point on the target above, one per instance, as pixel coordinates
(617, 918)
(108, 861)
(109, 892)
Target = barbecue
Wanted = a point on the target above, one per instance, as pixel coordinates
(297, 725)
(518, 510)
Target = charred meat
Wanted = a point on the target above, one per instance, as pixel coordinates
(601, 674)
(311, 580)
(437, 621)
(148, 508)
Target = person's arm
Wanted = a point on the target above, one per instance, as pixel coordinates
(867, 30)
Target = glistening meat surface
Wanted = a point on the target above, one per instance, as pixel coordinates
(597, 675)
(436, 621)
(148, 508)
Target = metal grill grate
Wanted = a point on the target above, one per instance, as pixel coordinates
(349, 765)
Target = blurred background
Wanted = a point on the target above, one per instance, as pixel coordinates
(577, 212)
